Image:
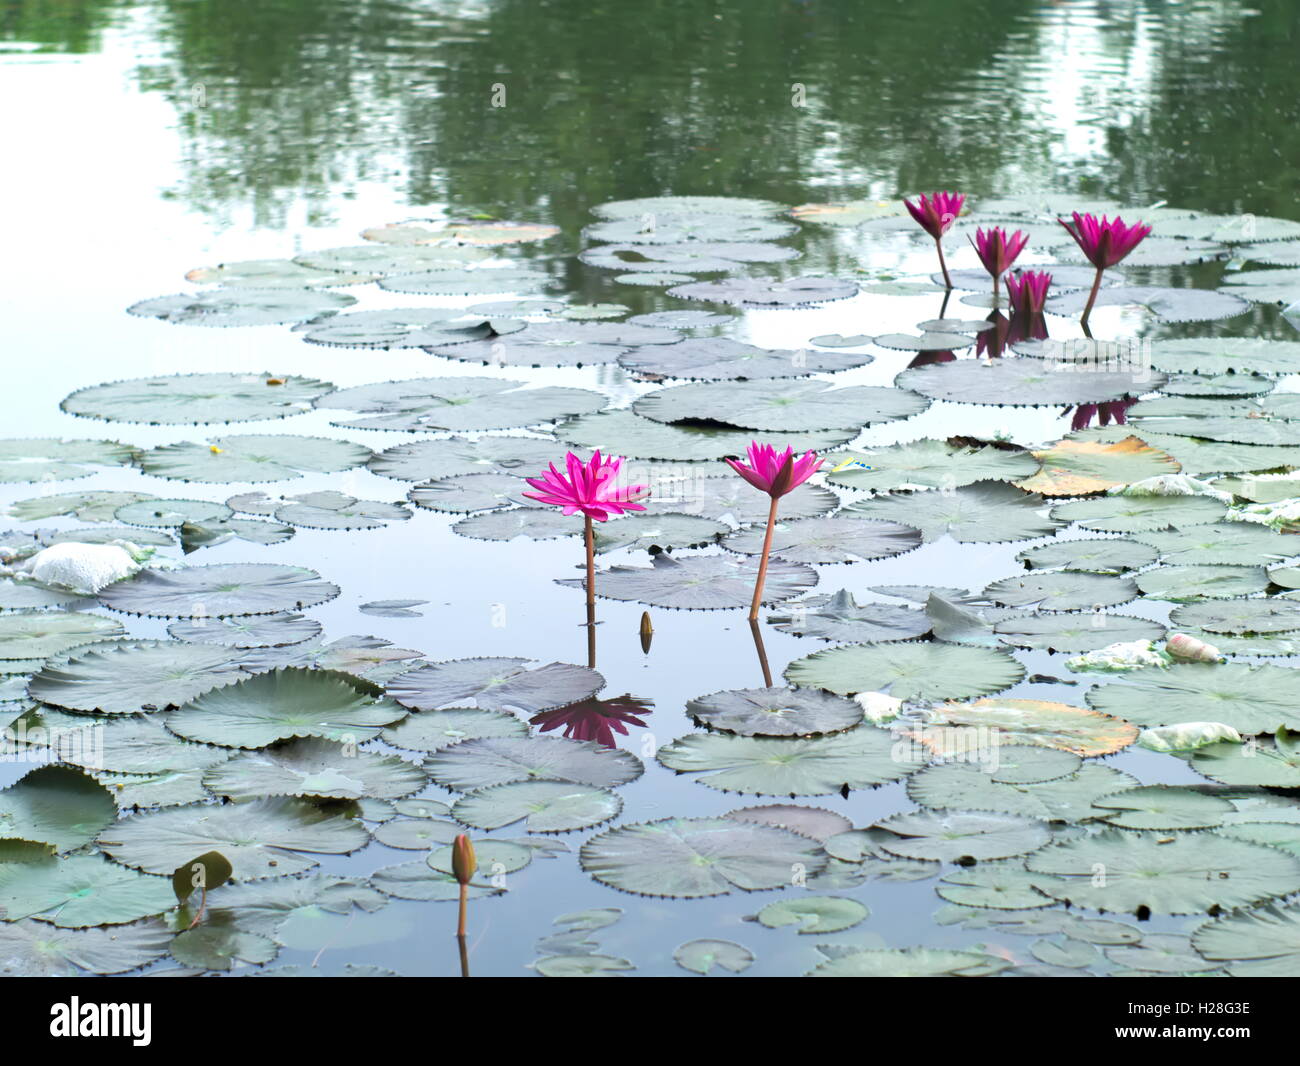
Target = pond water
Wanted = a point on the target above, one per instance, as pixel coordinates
(148, 139)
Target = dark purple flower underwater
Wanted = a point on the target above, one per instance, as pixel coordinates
(1112, 411)
(595, 720)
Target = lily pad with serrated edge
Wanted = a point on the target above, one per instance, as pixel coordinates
(416, 834)
(34, 949)
(547, 806)
(473, 232)
(1184, 583)
(218, 590)
(702, 582)
(1271, 764)
(691, 257)
(767, 292)
(141, 744)
(482, 763)
(81, 891)
(1023, 382)
(28, 635)
(496, 684)
(429, 460)
(283, 704)
(1230, 429)
(908, 670)
(1260, 490)
(1167, 304)
(256, 631)
(859, 758)
(264, 838)
(947, 836)
(413, 327)
(465, 493)
(336, 510)
(701, 956)
(1221, 544)
(814, 914)
(416, 881)
(985, 511)
(45, 459)
(1191, 874)
(1240, 617)
(536, 523)
(910, 962)
(153, 513)
(1218, 355)
(123, 678)
(242, 306)
(732, 207)
(625, 433)
(1250, 699)
(28, 595)
(1109, 555)
(679, 227)
(273, 274)
(193, 399)
(314, 767)
(1259, 943)
(783, 406)
(458, 403)
(995, 885)
(434, 730)
(929, 464)
(828, 540)
(1078, 729)
(1139, 514)
(1228, 384)
(1074, 633)
(84, 506)
(924, 342)
(715, 358)
(697, 857)
(1062, 591)
(815, 822)
(1263, 286)
(252, 458)
(1163, 807)
(467, 281)
(970, 786)
(56, 805)
(380, 259)
(264, 906)
(840, 617)
(1077, 468)
(560, 344)
(775, 712)
(1200, 457)
(681, 319)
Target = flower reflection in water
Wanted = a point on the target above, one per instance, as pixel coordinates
(596, 720)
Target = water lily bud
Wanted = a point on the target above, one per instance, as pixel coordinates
(463, 863)
(1190, 650)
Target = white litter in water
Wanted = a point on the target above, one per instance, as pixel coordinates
(1186, 736)
(83, 568)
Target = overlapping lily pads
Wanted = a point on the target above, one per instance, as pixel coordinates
(314, 767)
(713, 358)
(840, 617)
(985, 511)
(561, 344)
(775, 712)
(929, 464)
(488, 761)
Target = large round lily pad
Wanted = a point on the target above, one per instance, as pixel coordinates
(495, 684)
(314, 767)
(242, 306)
(775, 712)
(840, 617)
(950, 836)
(928, 464)
(625, 433)
(429, 460)
(702, 582)
(482, 763)
(55, 805)
(986, 511)
(1062, 591)
(698, 857)
(829, 540)
(544, 806)
(192, 399)
(908, 670)
(713, 358)
(36, 635)
(39, 459)
(252, 458)
(1025, 382)
(82, 891)
(218, 590)
(1251, 699)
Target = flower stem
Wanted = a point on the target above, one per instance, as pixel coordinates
(464, 899)
(1096, 284)
(591, 591)
(762, 652)
(762, 566)
(942, 264)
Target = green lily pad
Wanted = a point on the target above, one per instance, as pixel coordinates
(409, 327)
(996, 885)
(828, 540)
(1251, 699)
(434, 730)
(84, 506)
(470, 492)
(193, 399)
(1139, 514)
(1062, 591)
(487, 761)
(1110, 555)
(697, 857)
(1076, 633)
(415, 881)
(417, 834)
(762, 292)
(970, 786)
(218, 590)
(35, 949)
(702, 582)
(252, 631)
(721, 358)
(910, 962)
(1167, 304)
(286, 703)
(470, 281)
(429, 460)
(1126, 871)
(55, 805)
(775, 712)
(1272, 764)
(242, 306)
(985, 511)
(35, 459)
(263, 838)
(1220, 544)
(814, 914)
(81, 891)
(1256, 617)
(1024, 382)
(700, 956)
(657, 531)
(729, 497)
(920, 671)
(930, 464)
(1163, 807)
(154, 513)
(840, 617)
(252, 458)
(1183, 583)
(495, 684)
(314, 767)
(949, 836)
(561, 344)
(1261, 943)
(547, 806)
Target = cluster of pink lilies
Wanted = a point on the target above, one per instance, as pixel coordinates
(592, 489)
(1103, 241)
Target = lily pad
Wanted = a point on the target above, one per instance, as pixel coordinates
(1077, 468)
(700, 956)
(460, 403)
(1271, 764)
(1263, 286)
(785, 406)
(1182, 583)
(840, 617)
(409, 327)
(314, 767)
(985, 511)
(272, 274)
(730, 497)
(910, 962)
(950, 836)
(337, 510)
(828, 540)
(1189, 875)
(34, 949)
(1163, 807)
(263, 838)
(81, 891)
(1025, 382)
(703, 582)
(536, 523)
(495, 684)
(860, 758)
(929, 464)
(28, 635)
(252, 458)
(767, 292)
(814, 914)
(482, 763)
(154, 513)
(286, 703)
(906, 670)
(84, 506)
(1250, 699)
(242, 306)
(972, 785)
(431, 731)
(625, 433)
(547, 806)
(697, 857)
(1140, 514)
(1218, 355)
(1111, 555)
(1074, 633)
(254, 631)
(218, 590)
(470, 492)
(193, 399)
(1062, 591)
(1255, 617)
(713, 358)
(775, 712)
(38, 459)
(1222, 543)
(126, 678)
(561, 344)
(1261, 943)
(429, 460)
(471, 281)
(1168, 304)
(382, 259)
(473, 232)
(692, 257)
(55, 805)
(997, 885)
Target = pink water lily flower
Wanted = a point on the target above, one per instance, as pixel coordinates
(1104, 242)
(776, 473)
(997, 251)
(935, 214)
(1027, 291)
(590, 487)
